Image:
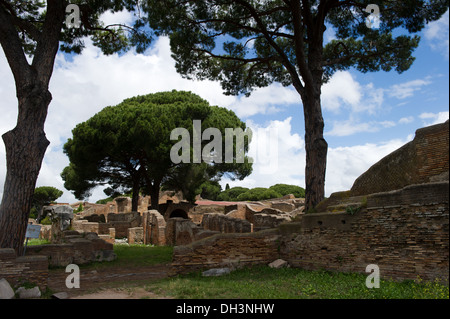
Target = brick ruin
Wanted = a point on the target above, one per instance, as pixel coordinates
(396, 216)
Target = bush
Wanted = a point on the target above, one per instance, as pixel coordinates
(258, 193)
(285, 189)
(46, 221)
(232, 194)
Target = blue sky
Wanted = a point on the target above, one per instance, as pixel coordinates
(367, 116)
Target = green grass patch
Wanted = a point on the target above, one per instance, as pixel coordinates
(137, 256)
(263, 282)
(37, 242)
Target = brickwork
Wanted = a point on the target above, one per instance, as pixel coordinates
(407, 240)
(226, 250)
(78, 249)
(16, 270)
(417, 162)
(225, 224)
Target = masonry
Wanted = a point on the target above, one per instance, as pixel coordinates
(425, 159)
(407, 240)
(16, 270)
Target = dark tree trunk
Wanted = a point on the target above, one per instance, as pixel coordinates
(26, 143)
(154, 196)
(316, 151)
(135, 198)
(25, 148)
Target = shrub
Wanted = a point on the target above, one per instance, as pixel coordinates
(258, 193)
(231, 194)
(285, 189)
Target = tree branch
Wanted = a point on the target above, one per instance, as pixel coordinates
(12, 46)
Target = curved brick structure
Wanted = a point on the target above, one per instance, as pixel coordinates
(423, 160)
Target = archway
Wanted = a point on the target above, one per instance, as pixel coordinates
(179, 213)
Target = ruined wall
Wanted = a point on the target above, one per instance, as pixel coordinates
(78, 249)
(224, 250)
(225, 224)
(420, 161)
(405, 233)
(33, 269)
(154, 227)
(406, 240)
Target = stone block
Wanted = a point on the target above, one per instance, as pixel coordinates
(6, 292)
(215, 272)
(31, 293)
(279, 263)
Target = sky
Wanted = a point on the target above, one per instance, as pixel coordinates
(367, 116)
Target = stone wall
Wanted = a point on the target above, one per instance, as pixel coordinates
(226, 250)
(180, 231)
(78, 249)
(154, 228)
(406, 240)
(423, 160)
(16, 270)
(225, 224)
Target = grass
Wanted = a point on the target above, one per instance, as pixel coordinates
(136, 256)
(36, 242)
(263, 282)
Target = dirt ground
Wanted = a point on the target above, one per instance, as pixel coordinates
(109, 283)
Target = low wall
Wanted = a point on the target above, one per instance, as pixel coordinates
(77, 249)
(16, 270)
(225, 224)
(406, 240)
(224, 250)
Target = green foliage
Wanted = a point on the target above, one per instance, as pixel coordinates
(128, 146)
(46, 221)
(265, 41)
(104, 201)
(285, 189)
(44, 195)
(258, 193)
(79, 209)
(210, 190)
(231, 195)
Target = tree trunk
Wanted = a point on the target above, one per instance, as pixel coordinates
(25, 149)
(316, 152)
(154, 196)
(135, 198)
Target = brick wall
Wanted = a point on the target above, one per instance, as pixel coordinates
(222, 250)
(225, 224)
(419, 161)
(32, 269)
(78, 249)
(405, 240)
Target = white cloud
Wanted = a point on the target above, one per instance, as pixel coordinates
(353, 126)
(437, 34)
(344, 164)
(406, 120)
(85, 84)
(434, 118)
(344, 91)
(279, 156)
(341, 89)
(404, 90)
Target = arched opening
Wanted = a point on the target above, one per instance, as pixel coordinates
(179, 213)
